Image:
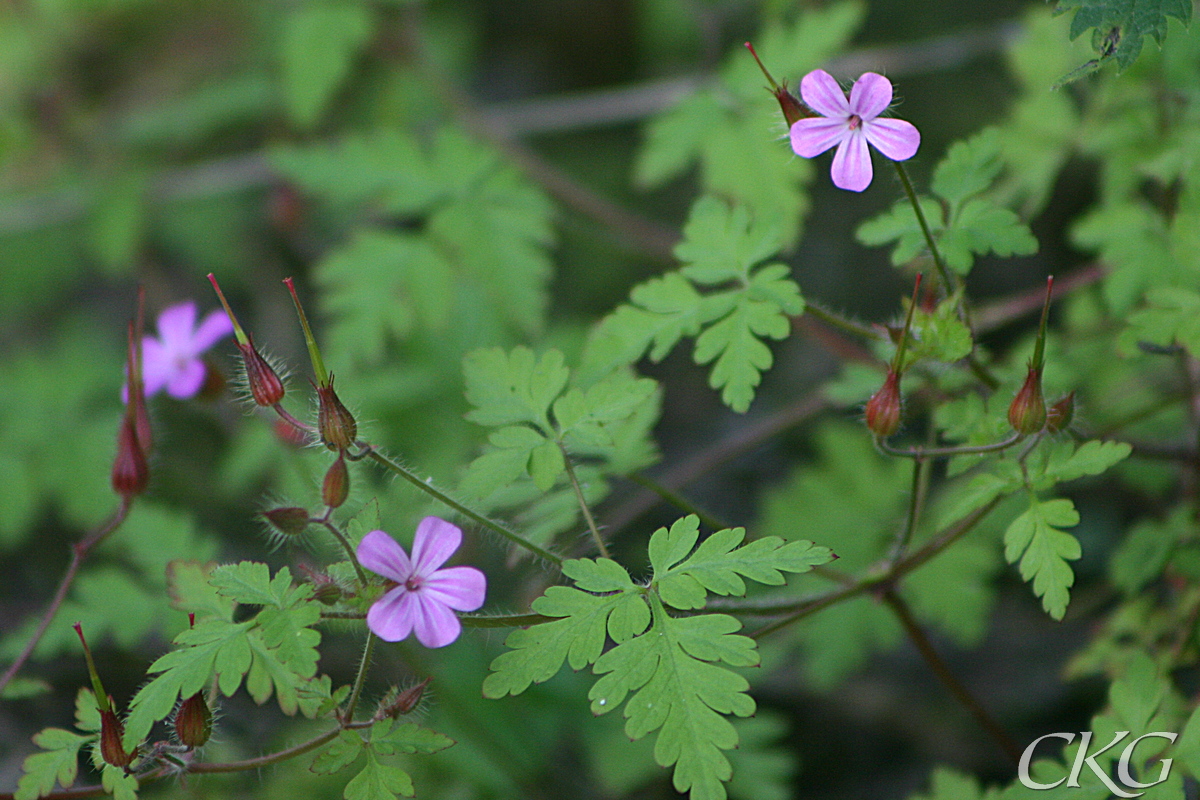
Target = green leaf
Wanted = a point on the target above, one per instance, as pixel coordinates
(407, 738)
(661, 311)
(949, 784)
(722, 243)
(1091, 458)
(980, 227)
(899, 224)
(719, 564)
(513, 388)
(59, 762)
(939, 335)
(338, 754)
(1172, 316)
(378, 781)
(735, 343)
(672, 685)
(1132, 19)
(319, 44)
(968, 168)
(1044, 549)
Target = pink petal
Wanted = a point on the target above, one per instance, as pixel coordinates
(435, 542)
(460, 588)
(812, 136)
(213, 328)
(381, 554)
(434, 624)
(823, 95)
(870, 95)
(176, 324)
(895, 138)
(156, 366)
(852, 163)
(186, 379)
(391, 617)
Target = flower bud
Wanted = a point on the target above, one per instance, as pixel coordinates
(335, 423)
(130, 472)
(788, 104)
(883, 409)
(1027, 414)
(289, 520)
(336, 486)
(1059, 415)
(396, 703)
(112, 731)
(265, 385)
(193, 721)
(327, 593)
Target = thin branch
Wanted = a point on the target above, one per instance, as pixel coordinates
(960, 692)
(583, 506)
(922, 453)
(998, 313)
(79, 552)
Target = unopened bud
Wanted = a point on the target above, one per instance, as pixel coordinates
(397, 703)
(335, 423)
(265, 385)
(193, 721)
(1027, 414)
(883, 409)
(289, 520)
(130, 472)
(112, 731)
(1059, 415)
(336, 486)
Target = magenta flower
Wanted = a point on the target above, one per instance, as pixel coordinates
(172, 361)
(425, 598)
(851, 126)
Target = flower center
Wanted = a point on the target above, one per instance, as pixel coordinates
(855, 121)
(413, 583)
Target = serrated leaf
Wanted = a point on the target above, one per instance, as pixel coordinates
(59, 762)
(661, 311)
(719, 564)
(1044, 549)
(968, 168)
(338, 754)
(378, 781)
(899, 224)
(735, 343)
(515, 387)
(190, 590)
(1091, 458)
(722, 243)
(939, 335)
(676, 691)
(407, 738)
(1132, 19)
(980, 227)
(319, 43)
(1172, 316)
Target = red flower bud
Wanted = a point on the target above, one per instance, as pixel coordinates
(1027, 414)
(112, 731)
(396, 703)
(883, 409)
(335, 423)
(130, 472)
(193, 721)
(336, 486)
(289, 520)
(1059, 415)
(265, 385)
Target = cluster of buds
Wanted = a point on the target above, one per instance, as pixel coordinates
(883, 409)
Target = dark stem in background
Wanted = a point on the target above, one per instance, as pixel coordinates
(917, 635)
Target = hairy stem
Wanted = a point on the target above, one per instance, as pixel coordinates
(363, 666)
(922, 453)
(583, 506)
(429, 489)
(341, 538)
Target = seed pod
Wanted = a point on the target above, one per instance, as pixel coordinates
(266, 387)
(193, 721)
(335, 423)
(883, 409)
(1027, 413)
(336, 486)
(1059, 415)
(130, 472)
(288, 520)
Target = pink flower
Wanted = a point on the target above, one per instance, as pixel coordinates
(425, 599)
(851, 126)
(172, 361)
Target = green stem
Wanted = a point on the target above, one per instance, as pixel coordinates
(943, 273)
(921, 453)
(915, 500)
(583, 506)
(441, 497)
(337, 534)
(835, 320)
(360, 678)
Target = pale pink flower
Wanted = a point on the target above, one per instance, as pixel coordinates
(173, 360)
(851, 126)
(425, 597)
